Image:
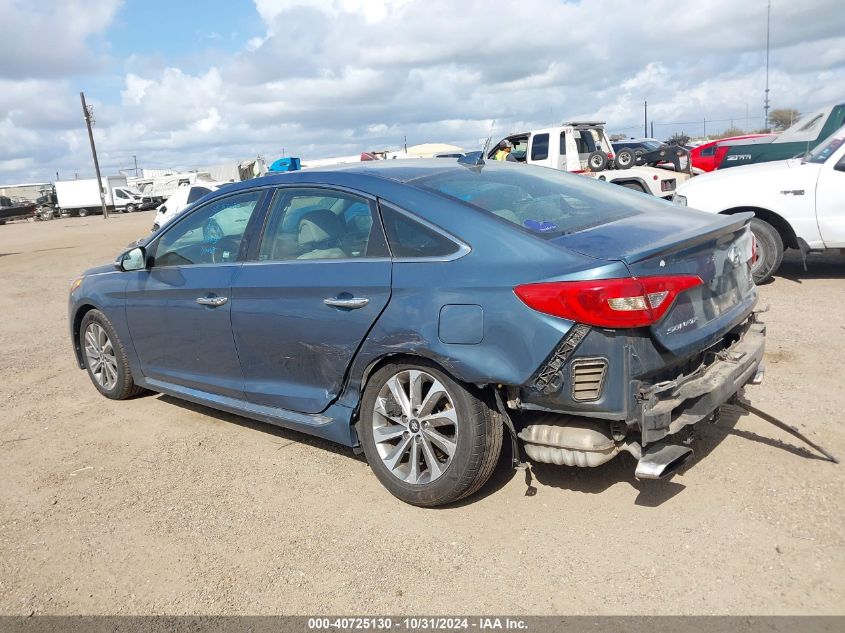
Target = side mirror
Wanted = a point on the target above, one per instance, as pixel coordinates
(134, 259)
(163, 209)
(840, 166)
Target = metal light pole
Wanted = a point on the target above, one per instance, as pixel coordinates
(766, 101)
(135, 158)
(86, 114)
(645, 118)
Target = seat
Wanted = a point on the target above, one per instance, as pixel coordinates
(319, 235)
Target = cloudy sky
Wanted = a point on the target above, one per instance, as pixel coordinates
(180, 83)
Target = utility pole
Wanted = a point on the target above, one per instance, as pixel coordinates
(406, 144)
(135, 158)
(652, 128)
(645, 118)
(87, 115)
(705, 127)
(766, 101)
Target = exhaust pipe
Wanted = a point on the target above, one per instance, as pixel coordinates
(660, 460)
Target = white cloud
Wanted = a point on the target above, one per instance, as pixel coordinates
(335, 77)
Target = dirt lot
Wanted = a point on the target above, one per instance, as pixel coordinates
(155, 506)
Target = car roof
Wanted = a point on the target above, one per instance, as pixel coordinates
(397, 170)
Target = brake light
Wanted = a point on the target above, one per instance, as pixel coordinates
(611, 303)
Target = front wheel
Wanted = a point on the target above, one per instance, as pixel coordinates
(769, 250)
(83, 213)
(105, 357)
(428, 439)
(130, 208)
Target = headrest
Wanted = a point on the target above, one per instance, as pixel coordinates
(319, 226)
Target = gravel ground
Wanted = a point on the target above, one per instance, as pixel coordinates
(155, 506)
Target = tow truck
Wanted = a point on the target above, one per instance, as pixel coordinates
(583, 147)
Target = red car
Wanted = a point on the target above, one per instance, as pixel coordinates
(704, 156)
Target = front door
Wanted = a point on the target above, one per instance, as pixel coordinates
(302, 307)
(830, 191)
(179, 311)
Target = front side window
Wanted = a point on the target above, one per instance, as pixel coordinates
(709, 151)
(196, 193)
(310, 223)
(825, 149)
(212, 234)
(119, 193)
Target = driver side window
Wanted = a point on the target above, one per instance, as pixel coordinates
(210, 235)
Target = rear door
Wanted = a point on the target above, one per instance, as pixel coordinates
(310, 293)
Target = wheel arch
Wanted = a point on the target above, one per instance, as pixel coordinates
(80, 313)
(482, 391)
(782, 226)
(632, 180)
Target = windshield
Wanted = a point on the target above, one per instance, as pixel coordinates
(824, 149)
(543, 201)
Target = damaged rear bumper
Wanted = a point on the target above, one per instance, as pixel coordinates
(669, 406)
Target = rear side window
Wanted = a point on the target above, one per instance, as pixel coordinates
(708, 151)
(540, 147)
(409, 238)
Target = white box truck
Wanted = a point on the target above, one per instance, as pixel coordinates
(81, 197)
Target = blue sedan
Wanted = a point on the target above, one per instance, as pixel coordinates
(426, 311)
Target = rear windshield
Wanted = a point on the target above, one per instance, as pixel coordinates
(543, 201)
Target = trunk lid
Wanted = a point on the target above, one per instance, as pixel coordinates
(715, 248)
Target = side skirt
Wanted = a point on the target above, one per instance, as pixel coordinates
(333, 425)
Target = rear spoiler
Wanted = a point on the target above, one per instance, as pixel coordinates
(729, 223)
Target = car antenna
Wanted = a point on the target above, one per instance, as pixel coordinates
(476, 159)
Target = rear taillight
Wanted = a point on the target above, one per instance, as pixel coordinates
(721, 150)
(611, 303)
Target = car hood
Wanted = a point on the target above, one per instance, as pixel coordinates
(99, 270)
(743, 174)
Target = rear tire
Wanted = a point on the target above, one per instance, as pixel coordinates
(439, 445)
(769, 250)
(105, 357)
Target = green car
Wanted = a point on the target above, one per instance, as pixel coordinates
(797, 140)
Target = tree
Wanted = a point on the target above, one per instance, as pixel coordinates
(678, 138)
(617, 137)
(731, 131)
(782, 118)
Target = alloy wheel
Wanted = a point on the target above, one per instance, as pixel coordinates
(415, 426)
(99, 352)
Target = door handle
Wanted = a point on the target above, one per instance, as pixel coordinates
(214, 302)
(352, 303)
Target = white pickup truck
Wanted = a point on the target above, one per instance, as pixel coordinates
(798, 203)
(583, 147)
